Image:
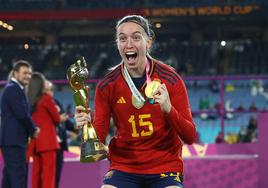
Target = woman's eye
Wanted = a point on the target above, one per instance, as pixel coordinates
(136, 38)
(122, 39)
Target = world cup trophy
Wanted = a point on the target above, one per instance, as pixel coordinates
(92, 149)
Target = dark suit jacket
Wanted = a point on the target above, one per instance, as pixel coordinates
(16, 122)
(62, 128)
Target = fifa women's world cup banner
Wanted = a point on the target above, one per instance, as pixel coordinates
(227, 10)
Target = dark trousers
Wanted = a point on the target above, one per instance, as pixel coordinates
(14, 172)
(59, 165)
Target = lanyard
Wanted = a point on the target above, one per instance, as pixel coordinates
(147, 67)
(135, 92)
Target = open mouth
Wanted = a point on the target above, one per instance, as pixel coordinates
(131, 56)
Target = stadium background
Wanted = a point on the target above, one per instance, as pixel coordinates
(220, 47)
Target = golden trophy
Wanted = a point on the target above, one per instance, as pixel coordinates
(92, 149)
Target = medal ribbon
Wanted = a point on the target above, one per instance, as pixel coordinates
(132, 86)
(148, 79)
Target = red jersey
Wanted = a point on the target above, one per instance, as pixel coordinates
(147, 141)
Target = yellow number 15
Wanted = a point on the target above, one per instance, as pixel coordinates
(147, 125)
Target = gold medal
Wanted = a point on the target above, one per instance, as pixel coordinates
(151, 88)
(137, 104)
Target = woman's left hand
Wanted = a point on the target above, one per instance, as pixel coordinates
(161, 96)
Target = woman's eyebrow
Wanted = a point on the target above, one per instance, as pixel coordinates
(136, 32)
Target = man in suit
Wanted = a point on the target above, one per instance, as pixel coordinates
(16, 126)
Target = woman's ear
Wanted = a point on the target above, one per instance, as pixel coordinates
(149, 43)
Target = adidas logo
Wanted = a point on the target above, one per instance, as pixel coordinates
(121, 100)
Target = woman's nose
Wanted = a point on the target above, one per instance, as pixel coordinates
(129, 43)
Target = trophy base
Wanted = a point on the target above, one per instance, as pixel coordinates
(92, 151)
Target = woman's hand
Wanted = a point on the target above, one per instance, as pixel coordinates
(63, 117)
(81, 117)
(161, 96)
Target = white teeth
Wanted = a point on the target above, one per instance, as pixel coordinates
(130, 53)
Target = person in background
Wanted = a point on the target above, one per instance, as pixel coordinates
(44, 148)
(231, 138)
(252, 128)
(62, 128)
(16, 126)
(243, 136)
(149, 104)
(219, 138)
(204, 107)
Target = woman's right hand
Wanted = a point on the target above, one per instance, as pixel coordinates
(63, 117)
(81, 117)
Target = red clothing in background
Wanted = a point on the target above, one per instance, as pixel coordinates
(46, 117)
(44, 147)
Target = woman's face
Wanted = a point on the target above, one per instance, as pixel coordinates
(49, 88)
(133, 44)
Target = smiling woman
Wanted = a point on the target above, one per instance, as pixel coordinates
(153, 120)
(134, 40)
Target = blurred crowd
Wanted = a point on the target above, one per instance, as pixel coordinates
(247, 134)
(202, 58)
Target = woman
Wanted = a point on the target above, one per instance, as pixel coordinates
(149, 105)
(45, 115)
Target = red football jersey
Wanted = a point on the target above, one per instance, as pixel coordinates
(147, 141)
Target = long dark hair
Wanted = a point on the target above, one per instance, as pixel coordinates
(35, 89)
